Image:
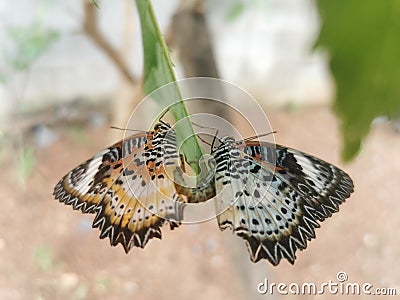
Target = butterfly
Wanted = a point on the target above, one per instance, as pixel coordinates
(128, 188)
(273, 196)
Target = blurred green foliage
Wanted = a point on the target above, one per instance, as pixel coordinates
(95, 4)
(26, 163)
(30, 42)
(103, 283)
(363, 40)
(44, 258)
(81, 292)
(236, 9)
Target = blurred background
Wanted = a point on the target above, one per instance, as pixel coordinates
(326, 77)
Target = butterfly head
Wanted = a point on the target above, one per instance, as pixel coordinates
(227, 140)
(162, 126)
(223, 142)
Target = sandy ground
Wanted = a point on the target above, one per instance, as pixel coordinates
(49, 251)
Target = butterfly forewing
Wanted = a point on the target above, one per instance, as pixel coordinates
(274, 196)
(128, 187)
(323, 186)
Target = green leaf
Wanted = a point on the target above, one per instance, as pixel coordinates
(363, 40)
(158, 71)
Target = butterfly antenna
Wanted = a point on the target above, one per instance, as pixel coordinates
(203, 140)
(213, 142)
(126, 129)
(162, 116)
(215, 135)
(201, 126)
(258, 136)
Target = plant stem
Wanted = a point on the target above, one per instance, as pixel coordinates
(158, 71)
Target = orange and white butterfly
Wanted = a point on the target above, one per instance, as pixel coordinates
(128, 187)
(274, 196)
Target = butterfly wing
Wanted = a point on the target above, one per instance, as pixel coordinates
(273, 196)
(128, 187)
